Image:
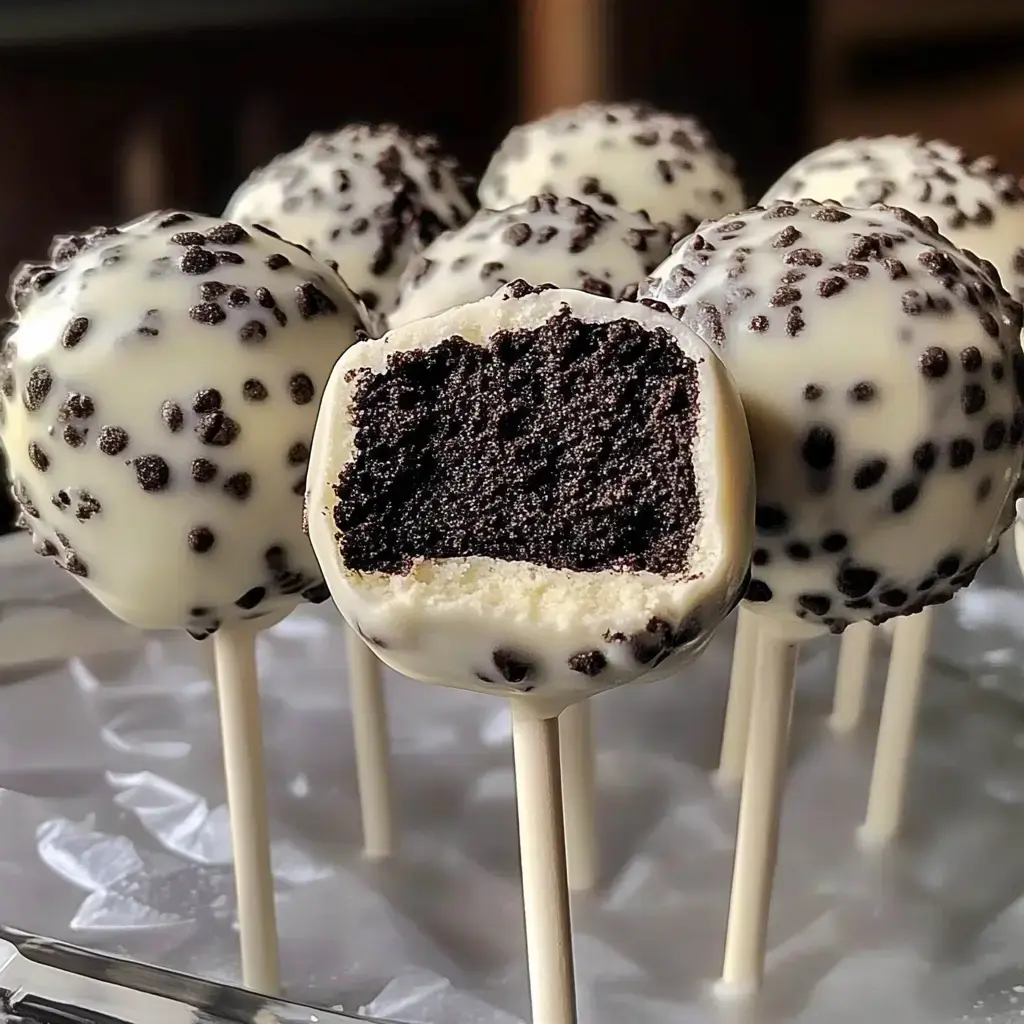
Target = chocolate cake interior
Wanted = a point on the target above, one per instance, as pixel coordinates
(567, 445)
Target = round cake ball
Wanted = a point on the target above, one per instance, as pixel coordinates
(368, 197)
(541, 492)
(626, 154)
(974, 203)
(548, 240)
(158, 390)
(881, 372)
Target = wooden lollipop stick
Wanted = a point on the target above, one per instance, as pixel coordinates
(373, 754)
(757, 838)
(234, 649)
(903, 685)
(737, 708)
(852, 678)
(542, 855)
(576, 741)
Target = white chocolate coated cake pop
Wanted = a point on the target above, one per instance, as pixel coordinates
(546, 240)
(159, 385)
(974, 203)
(368, 197)
(627, 154)
(880, 370)
(542, 492)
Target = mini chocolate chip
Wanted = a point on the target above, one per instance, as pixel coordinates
(798, 551)
(197, 261)
(37, 388)
(864, 391)
(152, 472)
(819, 448)
(298, 454)
(277, 261)
(949, 565)
(589, 663)
(869, 473)
(961, 452)
(38, 457)
(217, 429)
(758, 324)
(994, 436)
(512, 667)
(312, 301)
(834, 542)
(934, 362)
(237, 298)
(925, 455)
(173, 417)
(187, 238)
(758, 592)
(300, 389)
(228, 234)
(770, 519)
(970, 359)
(76, 407)
(760, 556)
(893, 597)
(972, 399)
(206, 400)
(254, 390)
(812, 392)
(251, 598)
(252, 331)
(208, 313)
(73, 437)
(112, 440)
(74, 332)
(855, 581)
(831, 286)
(201, 539)
(903, 497)
(238, 485)
(203, 471)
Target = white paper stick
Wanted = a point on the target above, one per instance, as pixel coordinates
(542, 855)
(757, 837)
(576, 740)
(896, 729)
(234, 650)
(737, 708)
(372, 745)
(852, 677)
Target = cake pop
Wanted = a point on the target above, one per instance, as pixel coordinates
(158, 388)
(627, 154)
(539, 495)
(367, 196)
(879, 368)
(561, 241)
(978, 207)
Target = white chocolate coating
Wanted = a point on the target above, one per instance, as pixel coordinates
(628, 154)
(448, 620)
(368, 197)
(880, 371)
(975, 204)
(546, 240)
(159, 391)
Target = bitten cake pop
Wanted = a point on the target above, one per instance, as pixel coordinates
(978, 207)
(367, 196)
(540, 495)
(627, 154)
(879, 369)
(158, 387)
(562, 241)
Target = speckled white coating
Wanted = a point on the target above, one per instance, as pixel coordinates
(877, 366)
(446, 619)
(975, 204)
(628, 154)
(546, 240)
(368, 197)
(134, 330)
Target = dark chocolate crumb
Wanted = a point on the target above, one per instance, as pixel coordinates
(589, 663)
(201, 539)
(300, 389)
(238, 485)
(513, 668)
(203, 470)
(112, 440)
(152, 472)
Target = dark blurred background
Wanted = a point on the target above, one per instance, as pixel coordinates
(112, 107)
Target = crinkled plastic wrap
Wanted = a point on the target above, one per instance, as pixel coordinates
(114, 834)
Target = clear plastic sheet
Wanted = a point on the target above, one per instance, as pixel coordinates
(114, 834)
